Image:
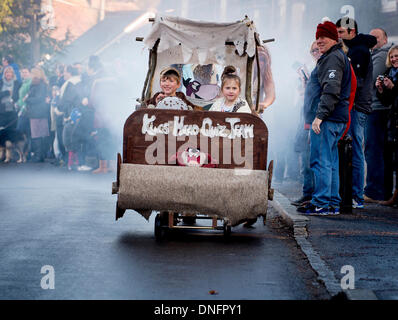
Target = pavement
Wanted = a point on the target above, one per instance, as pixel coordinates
(356, 250)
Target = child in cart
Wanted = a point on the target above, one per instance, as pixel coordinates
(230, 89)
(232, 102)
(169, 98)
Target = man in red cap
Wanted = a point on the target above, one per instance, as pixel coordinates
(326, 107)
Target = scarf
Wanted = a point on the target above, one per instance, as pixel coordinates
(7, 85)
(219, 105)
(74, 80)
(394, 74)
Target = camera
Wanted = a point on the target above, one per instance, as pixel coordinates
(381, 78)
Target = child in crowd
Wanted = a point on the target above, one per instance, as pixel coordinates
(77, 135)
(230, 89)
(70, 146)
(169, 98)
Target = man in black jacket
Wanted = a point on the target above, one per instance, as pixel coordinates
(359, 46)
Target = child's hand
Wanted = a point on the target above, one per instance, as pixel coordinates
(160, 97)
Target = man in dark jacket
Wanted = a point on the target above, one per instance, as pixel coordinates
(379, 177)
(328, 113)
(359, 46)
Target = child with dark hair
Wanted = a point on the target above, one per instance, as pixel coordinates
(231, 89)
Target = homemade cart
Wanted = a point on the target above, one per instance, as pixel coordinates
(227, 180)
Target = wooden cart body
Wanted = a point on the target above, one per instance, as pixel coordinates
(149, 178)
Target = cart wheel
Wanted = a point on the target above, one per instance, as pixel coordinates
(119, 212)
(160, 232)
(227, 231)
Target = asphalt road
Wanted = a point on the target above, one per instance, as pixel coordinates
(66, 220)
(366, 239)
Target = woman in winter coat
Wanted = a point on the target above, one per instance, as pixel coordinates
(387, 92)
(38, 111)
(9, 86)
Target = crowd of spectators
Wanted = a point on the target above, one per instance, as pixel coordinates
(62, 118)
(372, 123)
(58, 117)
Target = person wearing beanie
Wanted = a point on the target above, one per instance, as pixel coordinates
(327, 111)
(327, 29)
(359, 46)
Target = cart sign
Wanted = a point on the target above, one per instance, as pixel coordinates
(179, 128)
(234, 140)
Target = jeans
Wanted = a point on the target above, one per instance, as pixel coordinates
(356, 131)
(324, 161)
(379, 175)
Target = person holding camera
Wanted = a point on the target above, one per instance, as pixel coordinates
(387, 92)
(379, 177)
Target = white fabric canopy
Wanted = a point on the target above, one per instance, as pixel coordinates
(170, 57)
(201, 41)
